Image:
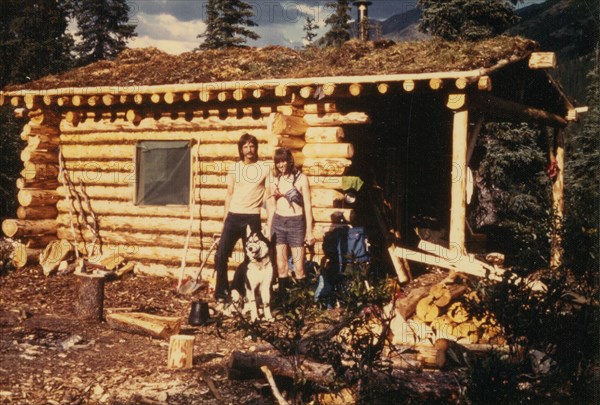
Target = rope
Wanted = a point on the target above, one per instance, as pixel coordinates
(195, 158)
(63, 178)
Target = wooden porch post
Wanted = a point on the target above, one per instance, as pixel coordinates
(556, 250)
(459, 180)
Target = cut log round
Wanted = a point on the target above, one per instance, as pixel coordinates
(47, 184)
(34, 198)
(39, 171)
(90, 299)
(23, 255)
(407, 306)
(457, 313)
(39, 156)
(440, 294)
(181, 352)
(427, 311)
(39, 212)
(17, 228)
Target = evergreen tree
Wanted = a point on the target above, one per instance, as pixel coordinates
(33, 43)
(514, 201)
(226, 22)
(339, 24)
(33, 40)
(467, 20)
(309, 28)
(103, 28)
(582, 182)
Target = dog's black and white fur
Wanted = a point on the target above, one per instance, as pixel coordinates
(259, 274)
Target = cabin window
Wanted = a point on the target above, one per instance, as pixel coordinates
(163, 173)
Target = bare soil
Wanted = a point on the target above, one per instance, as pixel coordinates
(48, 356)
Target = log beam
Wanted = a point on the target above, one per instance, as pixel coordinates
(458, 193)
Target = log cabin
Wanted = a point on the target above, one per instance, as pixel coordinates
(131, 154)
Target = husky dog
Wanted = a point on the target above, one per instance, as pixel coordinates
(259, 274)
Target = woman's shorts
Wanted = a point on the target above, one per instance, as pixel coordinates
(289, 231)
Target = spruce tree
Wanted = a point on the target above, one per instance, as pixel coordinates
(33, 40)
(466, 20)
(309, 29)
(339, 24)
(104, 28)
(514, 198)
(582, 182)
(226, 22)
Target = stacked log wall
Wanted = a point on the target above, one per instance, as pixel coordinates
(98, 155)
(35, 224)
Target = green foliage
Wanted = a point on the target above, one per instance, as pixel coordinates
(553, 326)
(10, 146)
(466, 20)
(33, 41)
(582, 179)
(515, 205)
(309, 29)
(341, 338)
(339, 24)
(226, 22)
(103, 28)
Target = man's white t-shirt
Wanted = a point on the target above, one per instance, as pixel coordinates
(249, 187)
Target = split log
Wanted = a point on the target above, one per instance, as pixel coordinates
(440, 295)
(144, 324)
(23, 255)
(324, 135)
(280, 124)
(328, 150)
(242, 365)
(34, 198)
(458, 313)
(37, 212)
(17, 228)
(181, 352)
(53, 254)
(90, 299)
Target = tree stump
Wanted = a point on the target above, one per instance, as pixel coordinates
(181, 352)
(90, 301)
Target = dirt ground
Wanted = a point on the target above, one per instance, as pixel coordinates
(48, 356)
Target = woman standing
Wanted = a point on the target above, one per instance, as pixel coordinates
(290, 220)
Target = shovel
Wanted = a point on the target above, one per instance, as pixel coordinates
(190, 285)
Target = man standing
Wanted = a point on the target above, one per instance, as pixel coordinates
(245, 195)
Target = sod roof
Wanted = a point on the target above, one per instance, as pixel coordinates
(150, 66)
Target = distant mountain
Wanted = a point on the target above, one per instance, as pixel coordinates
(567, 27)
(403, 27)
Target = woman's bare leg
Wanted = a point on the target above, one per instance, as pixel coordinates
(298, 258)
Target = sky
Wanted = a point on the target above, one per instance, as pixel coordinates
(173, 25)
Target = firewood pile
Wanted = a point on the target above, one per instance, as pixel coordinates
(428, 314)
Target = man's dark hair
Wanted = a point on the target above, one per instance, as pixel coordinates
(245, 138)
